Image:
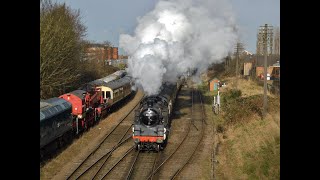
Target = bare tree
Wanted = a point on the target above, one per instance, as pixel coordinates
(61, 47)
(107, 43)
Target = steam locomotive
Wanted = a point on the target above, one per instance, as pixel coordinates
(152, 121)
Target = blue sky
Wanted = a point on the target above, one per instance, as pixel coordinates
(106, 19)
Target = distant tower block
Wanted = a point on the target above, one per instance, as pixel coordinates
(114, 53)
(109, 53)
(277, 41)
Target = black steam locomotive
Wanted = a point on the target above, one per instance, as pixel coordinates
(152, 121)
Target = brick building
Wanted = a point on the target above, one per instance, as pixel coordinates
(101, 53)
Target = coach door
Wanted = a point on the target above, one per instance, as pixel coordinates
(108, 95)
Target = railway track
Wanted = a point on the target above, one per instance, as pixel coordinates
(119, 164)
(176, 161)
(143, 164)
(121, 161)
(202, 134)
(134, 164)
(91, 165)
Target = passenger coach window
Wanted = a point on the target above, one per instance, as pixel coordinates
(103, 94)
(107, 94)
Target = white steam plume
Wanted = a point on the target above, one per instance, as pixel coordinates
(175, 36)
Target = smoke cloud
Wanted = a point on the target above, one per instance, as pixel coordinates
(175, 36)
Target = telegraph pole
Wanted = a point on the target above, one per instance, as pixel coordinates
(267, 36)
